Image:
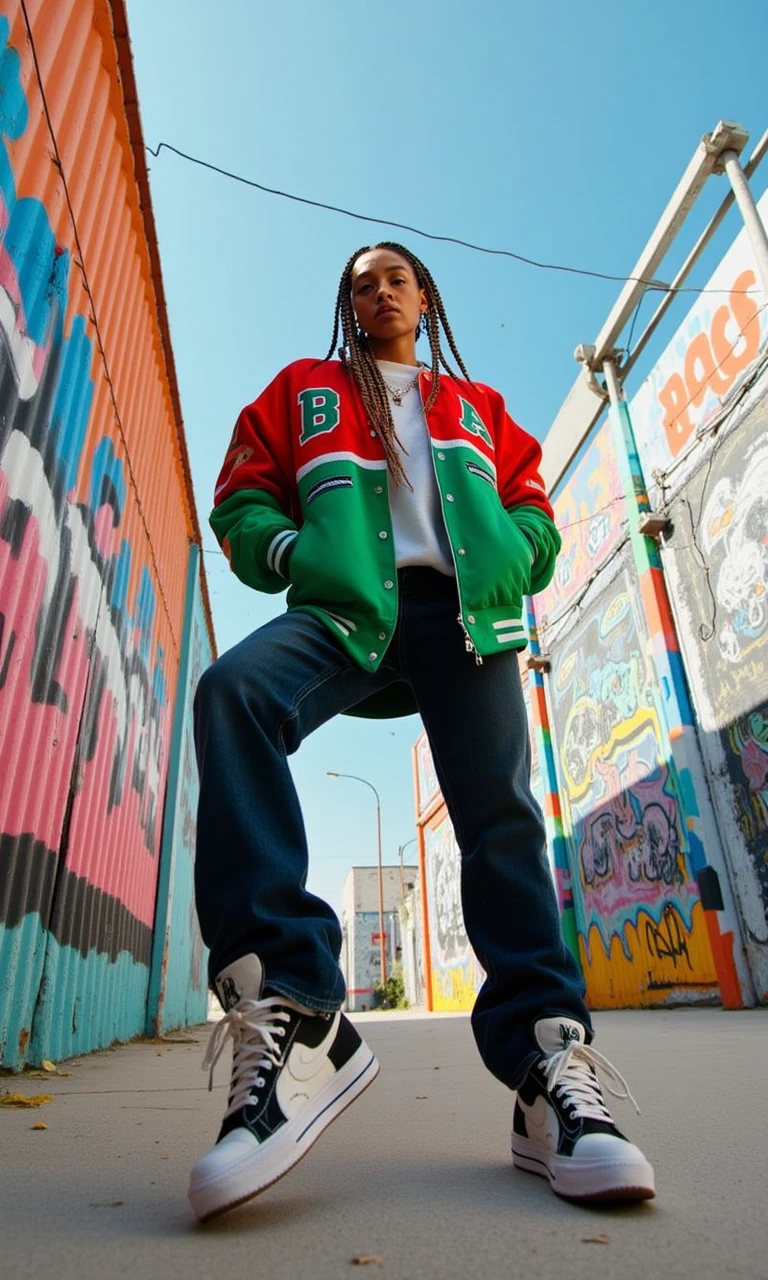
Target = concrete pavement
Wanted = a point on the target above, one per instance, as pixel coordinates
(417, 1172)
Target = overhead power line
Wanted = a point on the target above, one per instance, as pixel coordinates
(657, 285)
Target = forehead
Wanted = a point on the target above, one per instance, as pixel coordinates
(380, 260)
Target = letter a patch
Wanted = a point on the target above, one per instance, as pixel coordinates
(319, 412)
(471, 421)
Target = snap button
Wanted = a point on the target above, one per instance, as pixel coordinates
(470, 617)
(383, 534)
(379, 488)
(441, 456)
(373, 433)
(373, 656)
(461, 552)
(449, 497)
(382, 635)
(389, 584)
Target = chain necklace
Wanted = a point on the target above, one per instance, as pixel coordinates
(398, 393)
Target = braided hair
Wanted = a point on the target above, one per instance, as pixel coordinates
(358, 359)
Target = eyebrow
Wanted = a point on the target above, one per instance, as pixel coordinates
(396, 266)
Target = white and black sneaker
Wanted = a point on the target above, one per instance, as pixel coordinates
(293, 1072)
(562, 1128)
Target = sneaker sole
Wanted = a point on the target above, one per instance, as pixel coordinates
(273, 1159)
(575, 1179)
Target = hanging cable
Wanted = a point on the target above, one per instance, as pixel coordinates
(430, 235)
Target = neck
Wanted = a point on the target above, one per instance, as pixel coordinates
(398, 350)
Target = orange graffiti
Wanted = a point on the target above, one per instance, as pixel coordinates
(713, 361)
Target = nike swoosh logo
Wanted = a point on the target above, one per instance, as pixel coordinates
(541, 1123)
(303, 1063)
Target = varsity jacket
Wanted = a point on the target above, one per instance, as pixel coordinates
(302, 501)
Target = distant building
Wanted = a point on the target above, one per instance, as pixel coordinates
(361, 954)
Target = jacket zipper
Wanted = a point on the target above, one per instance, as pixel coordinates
(468, 641)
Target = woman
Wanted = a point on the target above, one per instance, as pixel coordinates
(403, 508)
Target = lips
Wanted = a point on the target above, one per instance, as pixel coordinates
(387, 311)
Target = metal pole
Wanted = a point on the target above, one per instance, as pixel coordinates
(748, 209)
(382, 939)
(382, 942)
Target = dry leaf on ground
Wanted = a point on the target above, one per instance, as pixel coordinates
(106, 1204)
(600, 1238)
(25, 1100)
(365, 1259)
(39, 1125)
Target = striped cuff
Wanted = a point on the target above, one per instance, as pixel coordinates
(277, 549)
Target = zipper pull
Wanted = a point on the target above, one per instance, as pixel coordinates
(468, 644)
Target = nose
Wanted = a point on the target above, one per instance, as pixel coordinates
(383, 290)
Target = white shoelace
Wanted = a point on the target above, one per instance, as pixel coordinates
(251, 1025)
(572, 1072)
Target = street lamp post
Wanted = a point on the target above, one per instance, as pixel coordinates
(382, 941)
(401, 851)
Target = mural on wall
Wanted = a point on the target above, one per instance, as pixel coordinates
(427, 786)
(708, 358)
(456, 974)
(83, 645)
(719, 557)
(589, 513)
(642, 936)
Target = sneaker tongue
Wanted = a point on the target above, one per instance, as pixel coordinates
(242, 980)
(554, 1034)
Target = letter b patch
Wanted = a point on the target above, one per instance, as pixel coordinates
(319, 412)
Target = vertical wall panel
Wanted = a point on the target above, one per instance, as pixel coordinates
(179, 982)
(641, 929)
(96, 517)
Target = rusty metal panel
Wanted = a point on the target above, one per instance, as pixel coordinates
(178, 993)
(96, 517)
(641, 929)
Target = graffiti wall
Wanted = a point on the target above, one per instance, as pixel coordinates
(641, 931)
(92, 503)
(178, 994)
(717, 561)
(456, 976)
(589, 513)
(706, 362)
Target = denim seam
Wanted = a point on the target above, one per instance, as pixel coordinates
(301, 997)
(301, 696)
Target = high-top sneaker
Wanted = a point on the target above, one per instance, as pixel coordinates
(562, 1128)
(293, 1072)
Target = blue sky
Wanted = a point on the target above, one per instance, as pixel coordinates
(558, 131)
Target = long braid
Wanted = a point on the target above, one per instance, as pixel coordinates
(356, 355)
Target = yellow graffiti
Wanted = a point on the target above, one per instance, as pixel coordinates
(623, 733)
(454, 989)
(665, 959)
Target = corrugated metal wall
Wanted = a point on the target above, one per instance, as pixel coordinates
(178, 993)
(96, 518)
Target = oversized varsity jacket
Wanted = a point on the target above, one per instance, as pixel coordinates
(302, 501)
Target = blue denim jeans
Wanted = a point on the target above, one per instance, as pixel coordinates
(253, 708)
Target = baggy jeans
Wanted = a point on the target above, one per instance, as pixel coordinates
(253, 708)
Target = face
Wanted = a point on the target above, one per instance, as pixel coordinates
(386, 296)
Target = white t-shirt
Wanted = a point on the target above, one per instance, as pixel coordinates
(417, 516)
